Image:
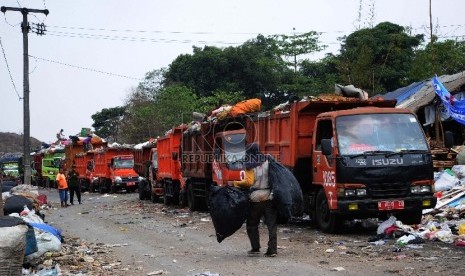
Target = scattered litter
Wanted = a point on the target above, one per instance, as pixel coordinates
(156, 272)
(339, 268)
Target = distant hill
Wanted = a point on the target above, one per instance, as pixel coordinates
(13, 143)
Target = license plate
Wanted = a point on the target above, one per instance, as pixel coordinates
(131, 184)
(391, 205)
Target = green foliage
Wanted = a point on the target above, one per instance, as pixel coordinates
(322, 75)
(255, 68)
(107, 122)
(209, 103)
(298, 44)
(378, 59)
(449, 58)
(174, 105)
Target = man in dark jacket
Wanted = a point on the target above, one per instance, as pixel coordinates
(260, 203)
(73, 185)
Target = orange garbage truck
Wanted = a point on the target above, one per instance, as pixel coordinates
(146, 165)
(114, 169)
(353, 158)
(169, 175)
(211, 154)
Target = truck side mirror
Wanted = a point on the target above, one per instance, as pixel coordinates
(448, 139)
(326, 146)
(174, 155)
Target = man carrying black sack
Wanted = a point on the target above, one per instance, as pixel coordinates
(260, 201)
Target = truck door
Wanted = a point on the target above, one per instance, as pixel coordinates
(324, 166)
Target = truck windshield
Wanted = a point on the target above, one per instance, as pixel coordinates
(357, 134)
(124, 163)
(234, 147)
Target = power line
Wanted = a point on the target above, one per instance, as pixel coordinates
(85, 68)
(148, 31)
(135, 39)
(9, 72)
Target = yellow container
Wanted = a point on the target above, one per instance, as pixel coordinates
(462, 229)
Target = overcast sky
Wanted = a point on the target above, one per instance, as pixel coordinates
(95, 51)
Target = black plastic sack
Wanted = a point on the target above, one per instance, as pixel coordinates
(15, 204)
(7, 221)
(228, 210)
(287, 194)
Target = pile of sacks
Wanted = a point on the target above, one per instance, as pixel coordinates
(24, 236)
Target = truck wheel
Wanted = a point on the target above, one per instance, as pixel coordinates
(327, 221)
(191, 200)
(183, 201)
(167, 200)
(154, 197)
(141, 190)
(101, 189)
(410, 217)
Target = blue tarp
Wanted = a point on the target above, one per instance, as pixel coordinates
(404, 93)
(456, 108)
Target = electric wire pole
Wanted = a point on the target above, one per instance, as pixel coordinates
(26, 121)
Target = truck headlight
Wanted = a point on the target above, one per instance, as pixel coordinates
(425, 189)
(420, 189)
(350, 193)
(140, 179)
(361, 192)
(118, 179)
(415, 189)
(94, 179)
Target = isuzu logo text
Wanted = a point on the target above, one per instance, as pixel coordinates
(387, 161)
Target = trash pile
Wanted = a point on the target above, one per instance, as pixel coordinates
(29, 246)
(445, 222)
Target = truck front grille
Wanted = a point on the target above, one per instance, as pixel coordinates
(386, 190)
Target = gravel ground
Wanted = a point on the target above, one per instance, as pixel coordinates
(126, 236)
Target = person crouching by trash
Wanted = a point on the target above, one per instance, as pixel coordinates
(256, 177)
(62, 188)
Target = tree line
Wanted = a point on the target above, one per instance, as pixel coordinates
(378, 60)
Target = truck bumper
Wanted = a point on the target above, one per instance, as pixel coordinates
(132, 185)
(369, 207)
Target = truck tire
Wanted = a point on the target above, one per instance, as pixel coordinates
(154, 197)
(183, 201)
(101, 188)
(328, 222)
(410, 217)
(141, 190)
(192, 201)
(167, 199)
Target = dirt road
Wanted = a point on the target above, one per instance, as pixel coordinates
(152, 239)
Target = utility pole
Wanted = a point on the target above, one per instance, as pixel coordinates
(26, 121)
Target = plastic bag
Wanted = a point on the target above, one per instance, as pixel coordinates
(45, 242)
(445, 181)
(386, 224)
(228, 210)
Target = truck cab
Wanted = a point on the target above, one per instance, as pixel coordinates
(122, 173)
(229, 153)
(51, 163)
(370, 162)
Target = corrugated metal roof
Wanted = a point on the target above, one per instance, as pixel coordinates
(419, 94)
